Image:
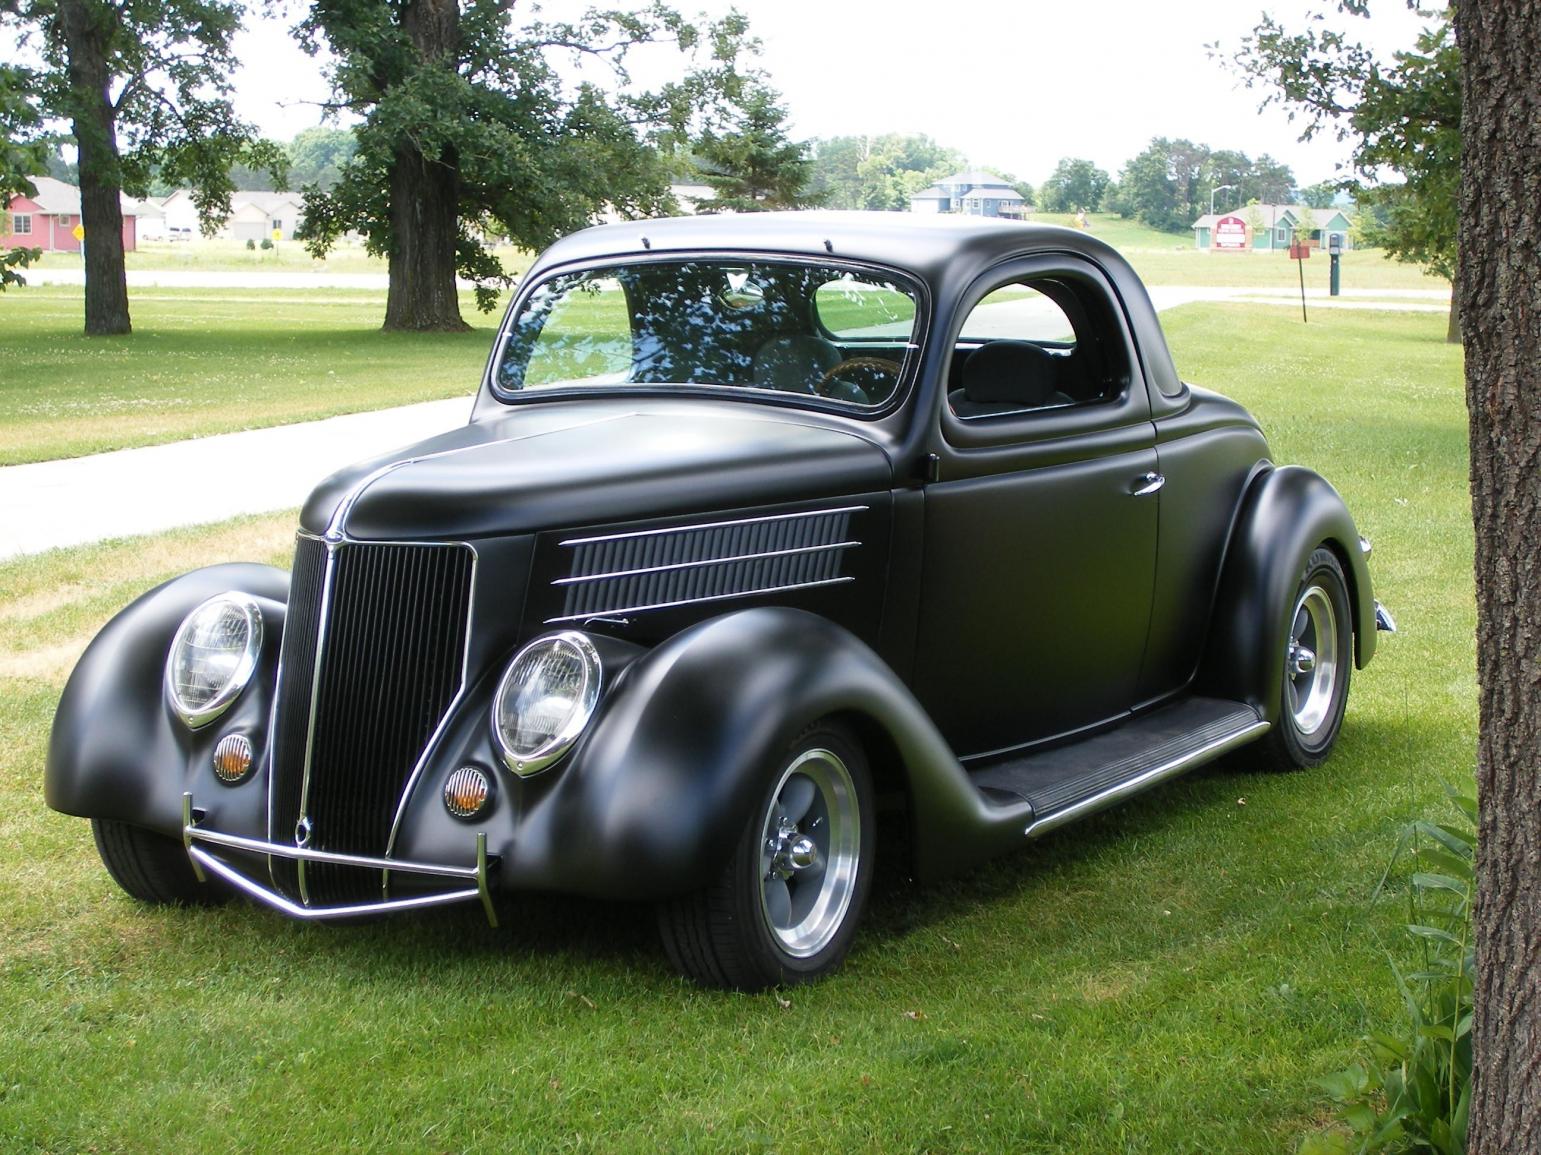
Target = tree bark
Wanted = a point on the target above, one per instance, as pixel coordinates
(425, 196)
(94, 122)
(1453, 327)
(1499, 289)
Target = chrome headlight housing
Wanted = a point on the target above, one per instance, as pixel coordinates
(545, 699)
(213, 656)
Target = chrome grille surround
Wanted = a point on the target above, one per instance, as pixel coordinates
(372, 664)
(654, 569)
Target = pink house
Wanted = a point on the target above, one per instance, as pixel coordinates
(48, 220)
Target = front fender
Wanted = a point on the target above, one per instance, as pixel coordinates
(1286, 513)
(116, 750)
(658, 793)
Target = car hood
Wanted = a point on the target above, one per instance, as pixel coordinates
(551, 466)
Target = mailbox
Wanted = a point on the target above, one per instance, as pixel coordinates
(1334, 243)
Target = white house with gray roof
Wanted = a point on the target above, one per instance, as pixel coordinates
(971, 193)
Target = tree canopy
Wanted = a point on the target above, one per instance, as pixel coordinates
(1074, 185)
(143, 88)
(470, 131)
(1403, 116)
(879, 172)
(21, 157)
(751, 164)
(1168, 185)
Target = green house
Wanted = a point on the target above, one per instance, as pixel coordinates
(1268, 227)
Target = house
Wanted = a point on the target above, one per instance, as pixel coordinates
(972, 193)
(49, 219)
(254, 215)
(1267, 227)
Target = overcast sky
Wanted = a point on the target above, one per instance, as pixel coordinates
(1013, 84)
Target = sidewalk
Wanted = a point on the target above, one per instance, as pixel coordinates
(139, 491)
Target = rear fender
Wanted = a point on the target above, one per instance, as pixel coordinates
(117, 751)
(1286, 513)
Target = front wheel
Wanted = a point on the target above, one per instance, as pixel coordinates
(786, 907)
(1318, 659)
(150, 866)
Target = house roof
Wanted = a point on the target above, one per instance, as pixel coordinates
(935, 193)
(994, 193)
(974, 177)
(266, 201)
(55, 198)
(1273, 215)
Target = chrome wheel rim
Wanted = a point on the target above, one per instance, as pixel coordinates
(810, 844)
(1311, 661)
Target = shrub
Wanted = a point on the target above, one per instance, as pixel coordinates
(251, 245)
(266, 244)
(1413, 1090)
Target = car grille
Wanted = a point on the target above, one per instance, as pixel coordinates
(376, 642)
(656, 569)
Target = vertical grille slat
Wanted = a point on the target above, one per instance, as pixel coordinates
(702, 563)
(392, 648)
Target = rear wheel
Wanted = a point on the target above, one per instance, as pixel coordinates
(150, 866)
(1318, 659)
(786, 907)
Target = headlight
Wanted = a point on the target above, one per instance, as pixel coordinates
(545, 699)
(212, 657)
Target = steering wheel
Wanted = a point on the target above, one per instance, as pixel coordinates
(872, 376)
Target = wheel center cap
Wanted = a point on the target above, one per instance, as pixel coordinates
(1301, 659)
(791, 850)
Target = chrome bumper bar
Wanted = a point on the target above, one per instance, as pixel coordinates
(203, 861)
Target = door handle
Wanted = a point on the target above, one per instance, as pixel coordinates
(1147, 484)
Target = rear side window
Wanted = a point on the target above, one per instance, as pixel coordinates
(861, 309)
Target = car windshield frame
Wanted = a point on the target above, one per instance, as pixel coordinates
(913, 344)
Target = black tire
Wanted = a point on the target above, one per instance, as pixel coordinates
(1319, 635)
(741, 932)
(150, 867)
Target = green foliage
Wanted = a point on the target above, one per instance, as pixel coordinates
(1413, 1091)
(1168, 185)
(1320, 195)
(879, 172)
(317, 155)
(22, 156)
(267, 244)
(1402, 115)
(751, 163)
(251, 245)
(1075, 185)
(464, 103)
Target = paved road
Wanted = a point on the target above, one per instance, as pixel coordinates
(138, 491)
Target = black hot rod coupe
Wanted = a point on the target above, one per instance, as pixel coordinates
(762, 527)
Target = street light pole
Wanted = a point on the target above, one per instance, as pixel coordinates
(1213, 191)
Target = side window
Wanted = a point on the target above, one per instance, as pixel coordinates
(1019, 352)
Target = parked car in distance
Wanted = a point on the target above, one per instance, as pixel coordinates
(764, 529)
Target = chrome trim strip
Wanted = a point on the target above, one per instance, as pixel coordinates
(368, 862)
(431, 747)
(698, 601)
(577, 541)
(1206, 753)
(624, 573)
(327, 583)
(278, 686)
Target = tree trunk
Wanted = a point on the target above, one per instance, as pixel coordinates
(1499, 286)
(1453, 328)
(425, 196)
(425, 203)
(94, 121)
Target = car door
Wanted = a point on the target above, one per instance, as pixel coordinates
(1041, 519)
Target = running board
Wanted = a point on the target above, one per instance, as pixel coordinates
(1070, 782)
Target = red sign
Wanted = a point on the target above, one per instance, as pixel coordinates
(1230, 233)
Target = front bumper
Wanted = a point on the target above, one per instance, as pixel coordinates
(205, 863)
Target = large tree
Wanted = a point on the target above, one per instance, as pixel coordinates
(143, 88)
(469, 131)
(1075, 184)
(752, 164)
(1401, 114)
(1499, 287)
(879, 172)
(21, 157)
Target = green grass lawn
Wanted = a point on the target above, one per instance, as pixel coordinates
(211, 361)
(1171, 976)
(219, 255)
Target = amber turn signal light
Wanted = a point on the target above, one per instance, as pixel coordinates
(233, 759)
(467, 792)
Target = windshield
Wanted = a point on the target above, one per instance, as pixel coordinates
(794, 328)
